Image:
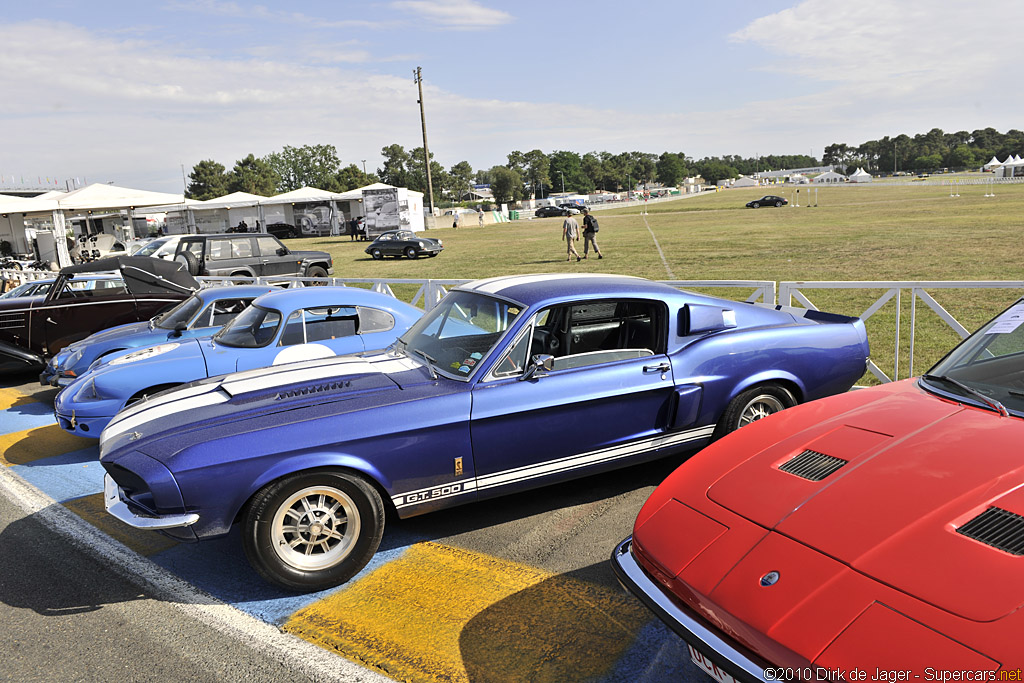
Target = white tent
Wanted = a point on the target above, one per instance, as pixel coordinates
(829, 177)
(744, 181)
(860, 176)
(994, 163)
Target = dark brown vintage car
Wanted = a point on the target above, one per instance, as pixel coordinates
(32, 329)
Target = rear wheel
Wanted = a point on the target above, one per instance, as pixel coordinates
(410, 252)
(313, 530)
(752, 405)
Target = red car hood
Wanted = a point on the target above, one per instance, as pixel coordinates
(917, 467)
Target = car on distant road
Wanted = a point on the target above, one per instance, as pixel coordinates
(406, 243)
(767, 200)
(507, 384)
(281, 327)
(34, 328)
(841, 534)
(200, 315)
(549, 211)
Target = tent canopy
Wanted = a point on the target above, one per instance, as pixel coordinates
(95, 197)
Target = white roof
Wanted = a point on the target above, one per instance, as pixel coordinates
(95, 197)
(993, 162)
(303, 194)
(229, 201)
(860, 173)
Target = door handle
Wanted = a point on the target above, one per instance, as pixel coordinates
(661, 367)
(51, 321)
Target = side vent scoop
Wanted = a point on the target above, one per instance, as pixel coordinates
(812, 465)
(998, 528)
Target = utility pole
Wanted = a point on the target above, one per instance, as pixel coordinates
(364, 166)
(418, 78)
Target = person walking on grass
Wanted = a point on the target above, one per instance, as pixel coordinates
(571, 233)
(590, 229)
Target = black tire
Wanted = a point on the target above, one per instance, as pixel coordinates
(145, 393)
(752, 405)
(337, 517)
(778, 204)
(317, 272)
(410, 252)
(377, 254)
(190, 261)
(756, 205)
(242, 274)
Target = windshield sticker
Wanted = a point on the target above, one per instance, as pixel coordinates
(455, 365)
(476, 356)
(1009, 321)
(464, 368)
(470, 362)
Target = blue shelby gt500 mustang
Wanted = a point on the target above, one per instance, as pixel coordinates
(508, 384)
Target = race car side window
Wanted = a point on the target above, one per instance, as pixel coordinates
(220, 312)
(597, 332)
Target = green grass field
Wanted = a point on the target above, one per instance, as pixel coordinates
(870, 232)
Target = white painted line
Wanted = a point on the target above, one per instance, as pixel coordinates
(661, 254)
(316, 663)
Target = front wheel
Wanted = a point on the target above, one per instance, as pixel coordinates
(752, 405)
(778, 204)
(318, 272)
(756, 205)
(377, 254)
(313, 530)
(410, 252)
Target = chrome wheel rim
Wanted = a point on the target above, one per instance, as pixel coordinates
(315, 528)
(759, 408)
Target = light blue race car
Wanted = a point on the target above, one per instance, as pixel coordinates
(277, 328)
(201, 315)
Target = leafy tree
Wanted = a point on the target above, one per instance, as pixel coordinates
(569, 165)
(417, 175)
(537, 169)
(461, 175)
(254, 176)
(351, 177)
(713, 170)
(506, 185)
(396, 166)
(671, 169)
(207, 180)
(309, 165)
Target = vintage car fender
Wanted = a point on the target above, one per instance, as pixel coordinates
(783, 377)
(17, 359)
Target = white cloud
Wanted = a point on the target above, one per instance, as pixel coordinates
(456, 14)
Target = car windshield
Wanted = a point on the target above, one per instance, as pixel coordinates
(183, 312)
(457, 335)
(152, 247)
(255, 326)
(987, 368)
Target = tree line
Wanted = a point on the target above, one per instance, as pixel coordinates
(537, 173)
(929, 151)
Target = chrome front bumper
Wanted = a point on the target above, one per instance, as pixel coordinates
(681, 620)
(116, 507)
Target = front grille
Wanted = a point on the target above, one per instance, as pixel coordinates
(812, 465)
(998, 528)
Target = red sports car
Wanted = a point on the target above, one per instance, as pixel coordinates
(877, 535)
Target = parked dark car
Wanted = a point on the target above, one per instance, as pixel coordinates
(283, 231)
(249, 255)
(406, 243)
(31, 330)
(767, 200)
(548, 211)
(572, 209)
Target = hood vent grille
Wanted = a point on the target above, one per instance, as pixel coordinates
(812, 465)
(998, 528)
(315, 389)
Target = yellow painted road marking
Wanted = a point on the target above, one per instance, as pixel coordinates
(21, 448)
(10, 398)
(90, 508)
(446, 614)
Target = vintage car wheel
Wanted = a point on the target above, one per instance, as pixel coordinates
(755, 205)
(313, 530)
(410, 252)
(752, 405)
(377, 254)
(317, 272)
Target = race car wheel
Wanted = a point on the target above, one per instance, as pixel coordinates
(752, 405)
(313, 530)
(377, 254)
(410, 252)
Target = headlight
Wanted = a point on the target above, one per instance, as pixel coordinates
(143, 354)
(70, 361)
(440, 243)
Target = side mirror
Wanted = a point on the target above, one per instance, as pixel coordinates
(180, 327)
(282, 251)
(698, 318)
(542, 363)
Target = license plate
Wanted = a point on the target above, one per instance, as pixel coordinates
(709, 667)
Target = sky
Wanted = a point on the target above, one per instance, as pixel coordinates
(134, 92)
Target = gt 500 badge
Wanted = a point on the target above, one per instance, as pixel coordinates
(430, 494)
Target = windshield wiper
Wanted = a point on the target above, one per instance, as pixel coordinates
(991, 402)
(430, 362)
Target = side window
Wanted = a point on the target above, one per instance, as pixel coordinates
(268, 246)
(220, 249)
(220, 312)
(293, 332)
(515, 360)
(320, 324)
(241, 248)
(374, 320)
(599, 332)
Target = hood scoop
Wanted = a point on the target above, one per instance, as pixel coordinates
(812, 465)
(998, 528)
(314, 389)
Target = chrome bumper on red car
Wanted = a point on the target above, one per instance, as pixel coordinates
(687, 625)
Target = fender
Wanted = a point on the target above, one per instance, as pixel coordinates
(774, 375)
(14, 358)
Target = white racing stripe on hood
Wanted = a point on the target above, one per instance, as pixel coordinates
(154, 402)
(395, 365)
(151, 412)
(495, 285)
(279, 376)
